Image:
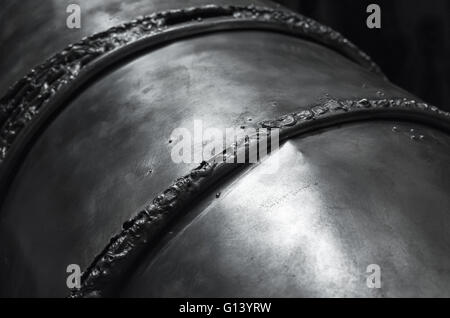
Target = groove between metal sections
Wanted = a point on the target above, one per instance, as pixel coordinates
(33, 101)
(81, 61)
(120, 257)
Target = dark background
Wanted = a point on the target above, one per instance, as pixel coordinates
(412, 47)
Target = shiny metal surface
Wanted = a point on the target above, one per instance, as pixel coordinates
(342, 199)
(113, 156)
(40, 27)
(348, 195)
(32, 102)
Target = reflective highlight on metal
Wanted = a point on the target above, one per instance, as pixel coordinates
(85, 142)
(24, 100)
(343, 198)
(119, 259)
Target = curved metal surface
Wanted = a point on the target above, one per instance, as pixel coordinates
(64, 73)
(108, 151)
(341, 199)
(119, 259)
(116, 155)
(44, 32)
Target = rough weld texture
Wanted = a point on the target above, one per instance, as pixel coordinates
(118, 260)
(29, 96)
(112, 265)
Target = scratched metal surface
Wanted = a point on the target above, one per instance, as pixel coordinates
(38, 94)
(40, 27)
(108, 153)
(341, 199)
